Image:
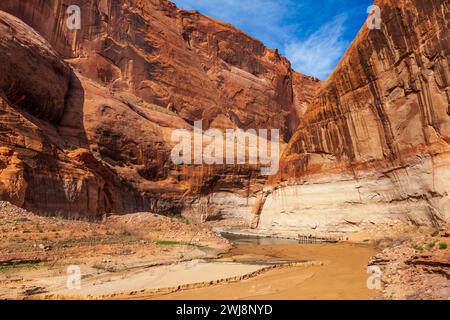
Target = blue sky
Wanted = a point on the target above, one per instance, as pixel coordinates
(312, 34)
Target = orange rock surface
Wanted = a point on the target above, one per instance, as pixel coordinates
(373, 145)
(88, 131)
(196, 66)
(87, 115)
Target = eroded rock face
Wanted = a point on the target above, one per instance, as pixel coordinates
(416, 269)
(94, 136)
(196, 66)
(29, 65)
(87, 121)
(373, 146)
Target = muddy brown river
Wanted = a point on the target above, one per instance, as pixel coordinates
(342, 274)
(254, 269)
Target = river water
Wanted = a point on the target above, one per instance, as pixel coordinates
(342, 273)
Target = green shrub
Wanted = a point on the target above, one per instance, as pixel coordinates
(72, 148)
(167, 243)
(443, 245)
(126, 233)
(431, 245)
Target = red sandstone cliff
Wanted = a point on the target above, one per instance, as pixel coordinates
(94, 136)
(87, 115)
(196, 66)
(374, 144)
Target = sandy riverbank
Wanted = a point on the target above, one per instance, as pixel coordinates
(342, 275)
(35, 251)
(123, 258)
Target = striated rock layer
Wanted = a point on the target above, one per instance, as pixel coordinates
(87, 115)
(198, 67)
(373, 146)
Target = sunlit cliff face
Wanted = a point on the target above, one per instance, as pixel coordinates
(92, 112)
(127, 75)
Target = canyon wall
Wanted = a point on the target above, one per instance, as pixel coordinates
(87, 115)
(197, 67)
(373, 146)
(44, 107)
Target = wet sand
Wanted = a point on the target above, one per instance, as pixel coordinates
(169, 276)
(343, 274)
(131, 267)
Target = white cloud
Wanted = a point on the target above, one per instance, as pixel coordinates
(320, 52)
(283, 24)
(263, 19)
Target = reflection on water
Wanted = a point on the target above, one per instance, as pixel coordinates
(244, 239)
